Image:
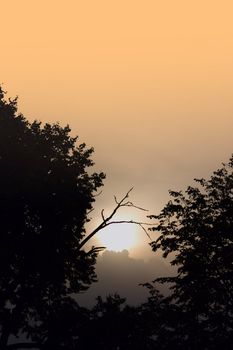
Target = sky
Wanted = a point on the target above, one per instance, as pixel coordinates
(129, 275)
(148, 84)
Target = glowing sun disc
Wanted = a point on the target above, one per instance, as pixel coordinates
(118, 237)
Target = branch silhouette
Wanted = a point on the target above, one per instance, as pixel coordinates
(106, 221)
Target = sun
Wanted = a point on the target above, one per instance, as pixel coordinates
(118, 237)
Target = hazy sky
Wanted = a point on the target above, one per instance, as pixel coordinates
(119, 273)
(149, 84)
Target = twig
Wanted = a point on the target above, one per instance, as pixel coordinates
(91, 210)
(145, 231)
(106, 221)
(130, 204)
(98, 194)
(102, 214)
(141, 224)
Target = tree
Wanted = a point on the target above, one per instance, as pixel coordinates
(196, 229)
(113, 325)
(46, 192)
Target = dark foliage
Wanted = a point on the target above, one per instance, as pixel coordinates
(46, 192)
(113, 325)
(196, 228)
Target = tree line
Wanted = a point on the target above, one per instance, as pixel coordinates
(47, 190)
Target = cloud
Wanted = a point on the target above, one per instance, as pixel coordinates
(119, 273)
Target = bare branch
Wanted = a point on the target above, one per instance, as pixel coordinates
(146, 232)
(135, 206)
(129, 222)
(130, 204)
(90, 211)
(141, 224)
(127, 194)
(95, 250)
(106, 221)
(102, 214)
(98, 194)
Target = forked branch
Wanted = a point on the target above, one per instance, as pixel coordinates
(106, 221)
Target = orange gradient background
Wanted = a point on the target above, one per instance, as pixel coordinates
(149, 84)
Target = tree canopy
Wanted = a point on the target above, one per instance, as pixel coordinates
(196, 229)
(46, 192)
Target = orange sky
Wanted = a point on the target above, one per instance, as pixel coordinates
(149, 84)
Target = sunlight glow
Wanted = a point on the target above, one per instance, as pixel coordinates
(118, 237)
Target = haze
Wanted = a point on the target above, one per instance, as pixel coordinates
(147, 83)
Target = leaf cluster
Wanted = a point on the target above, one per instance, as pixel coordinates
(46, 192)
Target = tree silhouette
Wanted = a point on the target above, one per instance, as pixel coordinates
(196, 228)
(113, 325)
(46, 192)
